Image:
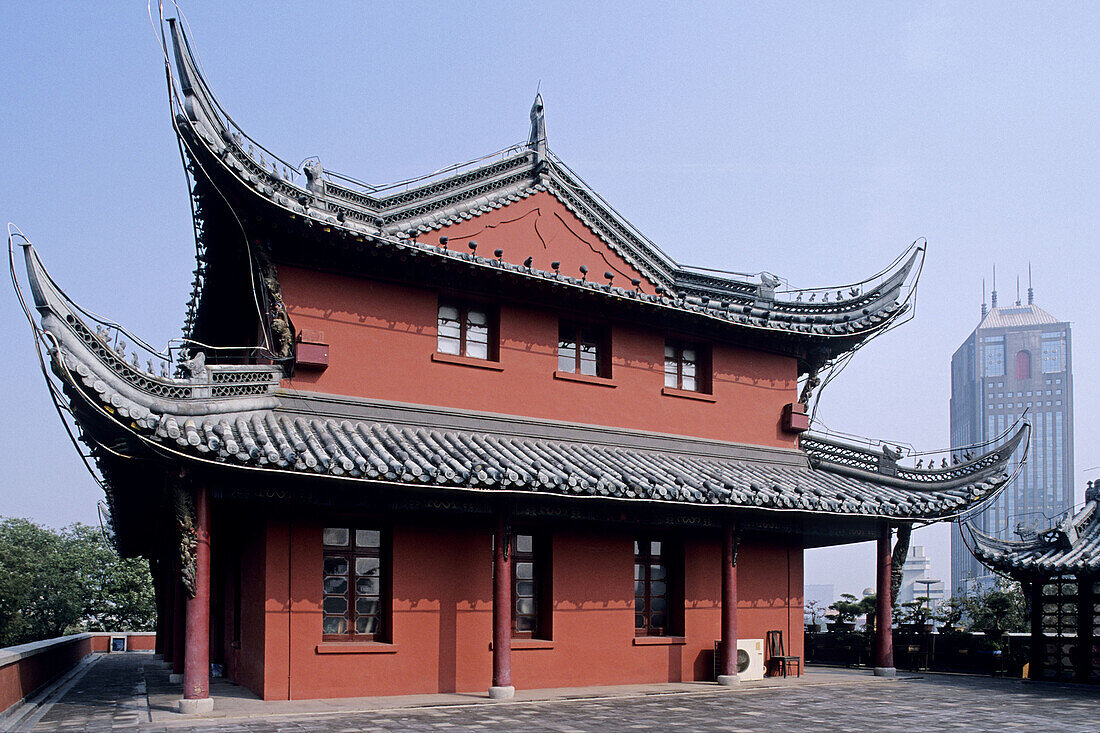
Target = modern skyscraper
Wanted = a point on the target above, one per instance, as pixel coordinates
(1018, 359)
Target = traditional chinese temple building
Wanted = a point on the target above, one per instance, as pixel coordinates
(474, 431)
(1059, 569)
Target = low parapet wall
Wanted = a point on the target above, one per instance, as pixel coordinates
(27, 667)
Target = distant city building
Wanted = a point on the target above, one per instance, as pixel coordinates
(824, 594)
(1018, 359)
(918, 581)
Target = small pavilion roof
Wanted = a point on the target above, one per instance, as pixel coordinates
(390, 219)
(239, 417)
(1072, 547)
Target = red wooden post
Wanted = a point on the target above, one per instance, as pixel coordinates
(196, 667)
(502, 612)
(727, 671)
(884, 635)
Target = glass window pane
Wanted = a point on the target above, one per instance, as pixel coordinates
(367, 565)
(567, 356)
(525, 606)
(657, 589)
(525, 570)
(334, 625)
(689, 383)
(447, 345)
(636, 548)
(670, 354)
(639, 620)
(367, 625)
(525, 588)
(688, 356)
(476, 350)
(658, 621)
(657, 572)
(367, 586)
(477, 318)
(336, 566)
(659, 604)
(367, 538)
(366, 606)
(639, 572)
(336, 585)
(525, 543)
(335, 536)
(689, 370)
(655, 549)
(335, 605)
(525, 623)
(670, 379)
(639, 587)
(448, 313)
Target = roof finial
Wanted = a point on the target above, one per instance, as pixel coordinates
(1017, 291)
(537, 140)
(985, 308)
(993, 299)
(1030, 290)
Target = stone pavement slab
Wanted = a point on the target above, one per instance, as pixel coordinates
(131, 691)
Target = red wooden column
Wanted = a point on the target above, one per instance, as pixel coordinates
(196, 663)
(727, 670)
(502, 688)
(884, 635)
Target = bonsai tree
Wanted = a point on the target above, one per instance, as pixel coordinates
(847, 608)
(914, 613)
(951, 613)
(997, 610)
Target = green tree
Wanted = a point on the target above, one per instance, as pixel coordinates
(998, 609)
(54, 582)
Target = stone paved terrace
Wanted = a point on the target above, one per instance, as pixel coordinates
(131, 692)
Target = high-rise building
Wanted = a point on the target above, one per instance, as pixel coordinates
(1017, 360)
(917, 583)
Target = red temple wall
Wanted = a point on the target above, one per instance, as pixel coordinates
(382, 338)
(541, 227)
(442, 615)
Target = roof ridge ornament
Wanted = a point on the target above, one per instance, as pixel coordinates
(537, 139)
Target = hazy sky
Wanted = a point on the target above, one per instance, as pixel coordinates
(812, 140)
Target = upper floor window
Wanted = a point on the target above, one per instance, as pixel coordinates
(466, 329)
(1023, 365)
(583, 350)
(687, 367)
(658, 610)
(354, 584)
(531, 592)
(995, 361)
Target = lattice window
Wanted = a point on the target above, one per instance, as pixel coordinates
(354, 587)
(1059, 626)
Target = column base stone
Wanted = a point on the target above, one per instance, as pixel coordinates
(502, 693)
(196, 707)
(175, 679)
(886, 672)
(728, 680)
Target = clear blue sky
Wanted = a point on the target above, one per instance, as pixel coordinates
(813, 140)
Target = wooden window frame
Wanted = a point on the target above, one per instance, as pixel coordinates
(703, 381)
(574, 332)
(350, 552)
(671, 558)
(492, 323)
(542, 571)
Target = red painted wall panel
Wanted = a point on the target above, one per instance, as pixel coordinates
(442, 614)
(382, 337)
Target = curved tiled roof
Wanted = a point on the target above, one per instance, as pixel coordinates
(376, 218)
(1073, 547)
(237, 416)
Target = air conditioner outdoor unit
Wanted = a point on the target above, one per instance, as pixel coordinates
(750, 658)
